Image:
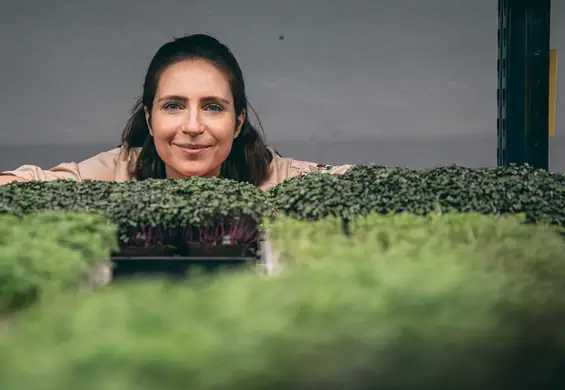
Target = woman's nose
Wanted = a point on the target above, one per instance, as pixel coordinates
(193, 123)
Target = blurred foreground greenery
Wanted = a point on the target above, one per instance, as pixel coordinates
(456, 301)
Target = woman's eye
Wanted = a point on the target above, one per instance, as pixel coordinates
(172, 106)
(214, 107)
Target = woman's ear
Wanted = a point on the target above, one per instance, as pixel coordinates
(240, 121)
(148, 120)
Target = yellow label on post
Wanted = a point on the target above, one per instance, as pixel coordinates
(552, 90)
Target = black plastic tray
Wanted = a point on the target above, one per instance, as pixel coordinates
(174, 266)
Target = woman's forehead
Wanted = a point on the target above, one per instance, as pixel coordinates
(192, 78)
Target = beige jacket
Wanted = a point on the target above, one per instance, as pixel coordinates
(116, 165)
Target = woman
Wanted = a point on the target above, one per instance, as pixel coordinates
(191, 121)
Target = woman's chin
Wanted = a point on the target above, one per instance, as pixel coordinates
(197, 172)
(180, 172)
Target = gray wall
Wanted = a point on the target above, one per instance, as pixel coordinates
(396, 82)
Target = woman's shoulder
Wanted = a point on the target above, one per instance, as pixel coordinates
(115, 164)
(282, 168)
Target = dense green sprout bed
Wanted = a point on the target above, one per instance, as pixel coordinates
(429, 304)
(153, 212)
(538, 194)
(213, 211)
(47, 253)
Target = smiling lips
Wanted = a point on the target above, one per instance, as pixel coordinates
(193, 148)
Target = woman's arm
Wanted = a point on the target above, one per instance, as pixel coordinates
(6, 179)
(108, 166)
(283, 168)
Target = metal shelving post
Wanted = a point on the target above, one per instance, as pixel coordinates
(523, 82)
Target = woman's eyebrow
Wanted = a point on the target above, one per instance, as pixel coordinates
(216, 98)
(184, 98)
(173, 97)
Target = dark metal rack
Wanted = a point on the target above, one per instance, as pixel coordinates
(523, 82)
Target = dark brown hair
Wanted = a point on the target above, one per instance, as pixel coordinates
(249, 157)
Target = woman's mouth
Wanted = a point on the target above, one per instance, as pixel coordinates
(193, 148)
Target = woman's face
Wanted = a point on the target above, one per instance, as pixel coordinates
(193, 121)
